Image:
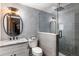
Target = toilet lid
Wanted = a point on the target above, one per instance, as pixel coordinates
(36, 50)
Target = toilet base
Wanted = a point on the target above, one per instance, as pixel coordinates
(36, 51)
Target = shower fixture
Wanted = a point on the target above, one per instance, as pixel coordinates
(59, 8)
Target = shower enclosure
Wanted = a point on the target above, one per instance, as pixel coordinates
(65, 23)
(69, 25)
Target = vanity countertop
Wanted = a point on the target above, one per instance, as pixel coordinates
(11, 42)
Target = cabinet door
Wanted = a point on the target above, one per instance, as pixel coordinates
(15, 50)
(6, 54)
(20, 49)
(22, 53)
(5, 51)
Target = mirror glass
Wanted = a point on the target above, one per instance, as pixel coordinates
(13, 24)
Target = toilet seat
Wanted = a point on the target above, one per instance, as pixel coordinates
(37, 51)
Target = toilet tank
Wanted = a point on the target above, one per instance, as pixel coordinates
(33, 42)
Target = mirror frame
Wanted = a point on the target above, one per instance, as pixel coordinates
(4, 25)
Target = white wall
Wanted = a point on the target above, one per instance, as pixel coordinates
(47, 41)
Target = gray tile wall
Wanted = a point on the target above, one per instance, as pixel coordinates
(0, 21)
(77, 33)
(44, 22)
(30, 19)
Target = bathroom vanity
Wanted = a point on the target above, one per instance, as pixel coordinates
(14, 48)
(13, 26)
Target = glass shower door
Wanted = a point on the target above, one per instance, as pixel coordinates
(69, 42)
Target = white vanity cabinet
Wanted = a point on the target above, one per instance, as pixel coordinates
(20, 49)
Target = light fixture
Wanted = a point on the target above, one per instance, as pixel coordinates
(12, 10)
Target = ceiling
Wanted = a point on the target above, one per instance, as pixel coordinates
(47, 7)
(40, 6)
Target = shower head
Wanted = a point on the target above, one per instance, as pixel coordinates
(59, 9)
(62, 6)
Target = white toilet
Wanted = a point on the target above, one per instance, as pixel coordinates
(36, 51)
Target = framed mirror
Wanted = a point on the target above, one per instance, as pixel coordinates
(12, 24)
